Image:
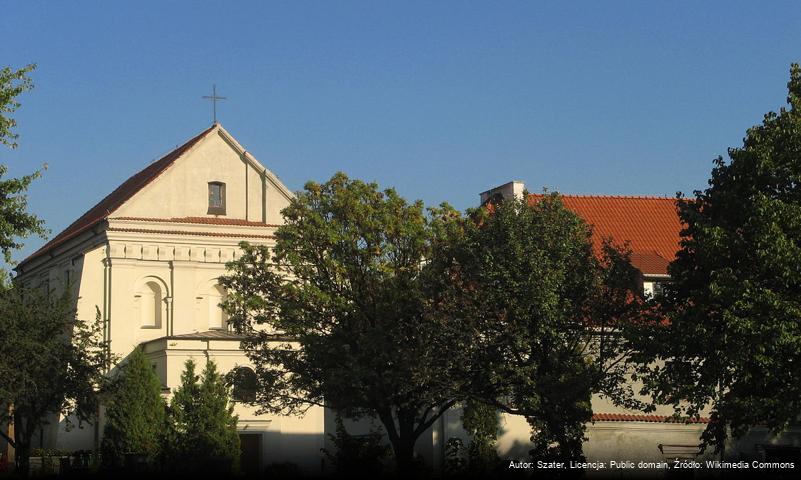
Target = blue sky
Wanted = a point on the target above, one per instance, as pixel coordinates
(441, 100)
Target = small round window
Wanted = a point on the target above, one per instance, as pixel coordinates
(244, 383)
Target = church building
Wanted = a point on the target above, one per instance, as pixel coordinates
(149, 255)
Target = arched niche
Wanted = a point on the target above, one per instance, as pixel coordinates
(210, 315)
(217, 316)
(150, 302)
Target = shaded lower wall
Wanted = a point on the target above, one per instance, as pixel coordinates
(280, 440)
(299, 441)
(607, 441)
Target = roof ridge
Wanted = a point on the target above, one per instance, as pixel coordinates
(632, 197)
(127, 189)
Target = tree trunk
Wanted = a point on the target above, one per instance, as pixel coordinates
(402, 438)
(23, 437)
(23, 456)
(404, 456)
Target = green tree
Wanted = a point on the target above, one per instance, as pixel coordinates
(205, 435)
(181, 420)
(15, 221)
(135, 417)
(51, 364)
(348, 287)
(13, 83)
(482, 424)
(548, 310)
(733, 340)
(357, 455)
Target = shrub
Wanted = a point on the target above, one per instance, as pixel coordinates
(362, 454)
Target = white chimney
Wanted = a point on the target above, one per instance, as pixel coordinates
(513, 189)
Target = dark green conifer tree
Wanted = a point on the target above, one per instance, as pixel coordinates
(204, 424)
(135, 415)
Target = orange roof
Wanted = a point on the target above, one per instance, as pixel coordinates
(120, 195)
(625, 417)
(650, 225)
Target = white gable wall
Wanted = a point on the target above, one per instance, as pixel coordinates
(182, 189)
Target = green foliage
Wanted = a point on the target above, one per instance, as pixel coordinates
(49, 452)
(733, 342)
(455, 462)
(50, 362)
(549, 312)
(244, 384)
(481, 423)
(12, 84)
(347, 281)
(357, 455)
(15, 221)
(397, 313)
(135, 417)
(204, 435)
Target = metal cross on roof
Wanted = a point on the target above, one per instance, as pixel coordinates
(214, 99)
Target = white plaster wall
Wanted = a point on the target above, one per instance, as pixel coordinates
(186, 284)
(637, 441)
(255, 195)
(88, 275)
(276, 201)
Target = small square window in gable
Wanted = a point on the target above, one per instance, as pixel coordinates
(216, 198)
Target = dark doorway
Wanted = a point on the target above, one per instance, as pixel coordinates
(250, 461)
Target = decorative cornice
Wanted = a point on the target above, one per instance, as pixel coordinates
(184, 232)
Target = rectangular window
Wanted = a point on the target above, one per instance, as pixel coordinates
(216, 198)
(652, 289)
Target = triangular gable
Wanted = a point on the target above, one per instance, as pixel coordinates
(255, 163)
(120, 195)
(181, 190)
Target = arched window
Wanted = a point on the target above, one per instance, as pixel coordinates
(245, 384)
(151, 305)
(217, 316)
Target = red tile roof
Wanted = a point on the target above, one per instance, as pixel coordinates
(239, 235)
(625, 417)
(119, 196)
(201, 221)
(649, 262)
(650, 224)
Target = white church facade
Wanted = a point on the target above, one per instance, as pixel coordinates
(148, 258)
